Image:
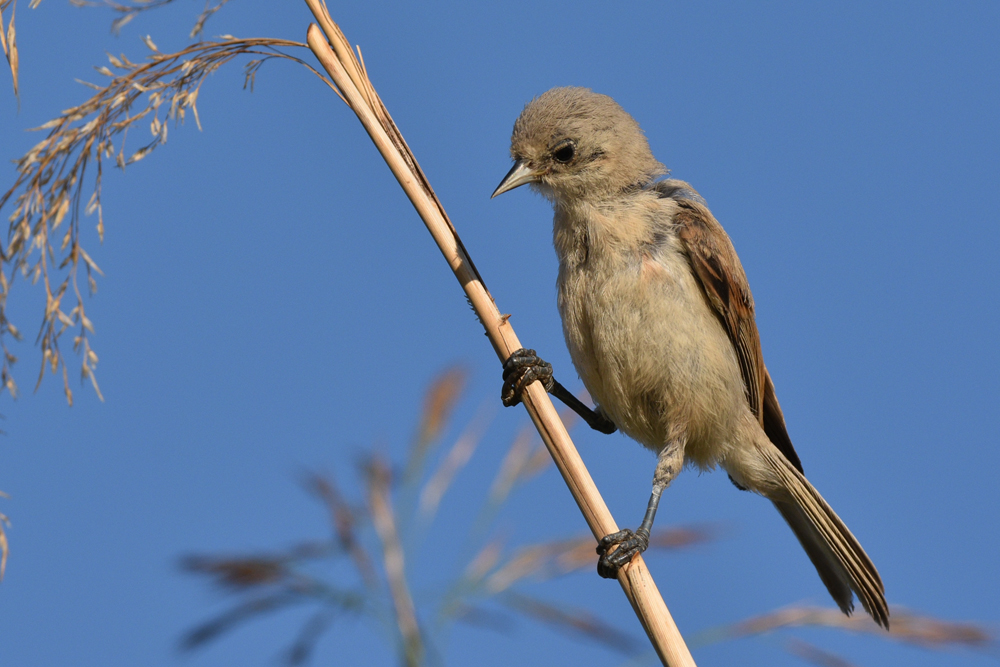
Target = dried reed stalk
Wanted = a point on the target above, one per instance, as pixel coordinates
(384, 519)
(335, 54)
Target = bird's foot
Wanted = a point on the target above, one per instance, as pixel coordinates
(629, 544)
(521, 369)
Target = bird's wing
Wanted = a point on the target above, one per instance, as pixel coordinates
(716, 266)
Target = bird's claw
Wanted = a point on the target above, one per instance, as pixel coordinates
(521, 369)
(629, 544)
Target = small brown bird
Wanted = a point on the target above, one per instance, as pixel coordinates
(659, 322)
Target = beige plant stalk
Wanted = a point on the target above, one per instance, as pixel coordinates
(335, 54)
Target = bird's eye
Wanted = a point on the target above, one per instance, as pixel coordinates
(564, 153)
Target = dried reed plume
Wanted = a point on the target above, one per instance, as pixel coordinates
(51, 185)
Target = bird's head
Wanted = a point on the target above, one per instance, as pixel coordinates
(573, 144)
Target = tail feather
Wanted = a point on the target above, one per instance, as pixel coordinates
(820, 554)
(838, 557)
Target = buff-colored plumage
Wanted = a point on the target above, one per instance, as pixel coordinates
(658, 318)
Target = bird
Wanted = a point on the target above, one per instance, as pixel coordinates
(659, 320)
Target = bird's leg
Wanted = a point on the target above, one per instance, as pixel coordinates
(524, 367)
(619, 548)
(596, 419)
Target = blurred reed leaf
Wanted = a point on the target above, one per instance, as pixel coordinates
(250, 609)
(555, 559)
(384, 518)
(269, 583)
(577, 622)
(456, 459)
(439, 401)
(815, 655)
(4, 546)
(238, 573)
(525, 458)
(343, 521)
(302, 649)
(908, 627)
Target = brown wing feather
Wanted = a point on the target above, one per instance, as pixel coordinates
(774, 424)
(718, 270)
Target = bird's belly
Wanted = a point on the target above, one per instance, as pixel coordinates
(654, 356)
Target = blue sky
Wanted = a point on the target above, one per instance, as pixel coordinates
(272, 304)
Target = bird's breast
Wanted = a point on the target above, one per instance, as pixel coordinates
(646, 345)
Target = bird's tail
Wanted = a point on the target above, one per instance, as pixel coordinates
(838, 557)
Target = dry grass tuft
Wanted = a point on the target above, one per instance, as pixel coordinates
(52, 182)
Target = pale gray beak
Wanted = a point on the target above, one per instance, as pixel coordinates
(519, 174)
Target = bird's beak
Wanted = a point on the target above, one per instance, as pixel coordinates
(519, 174)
